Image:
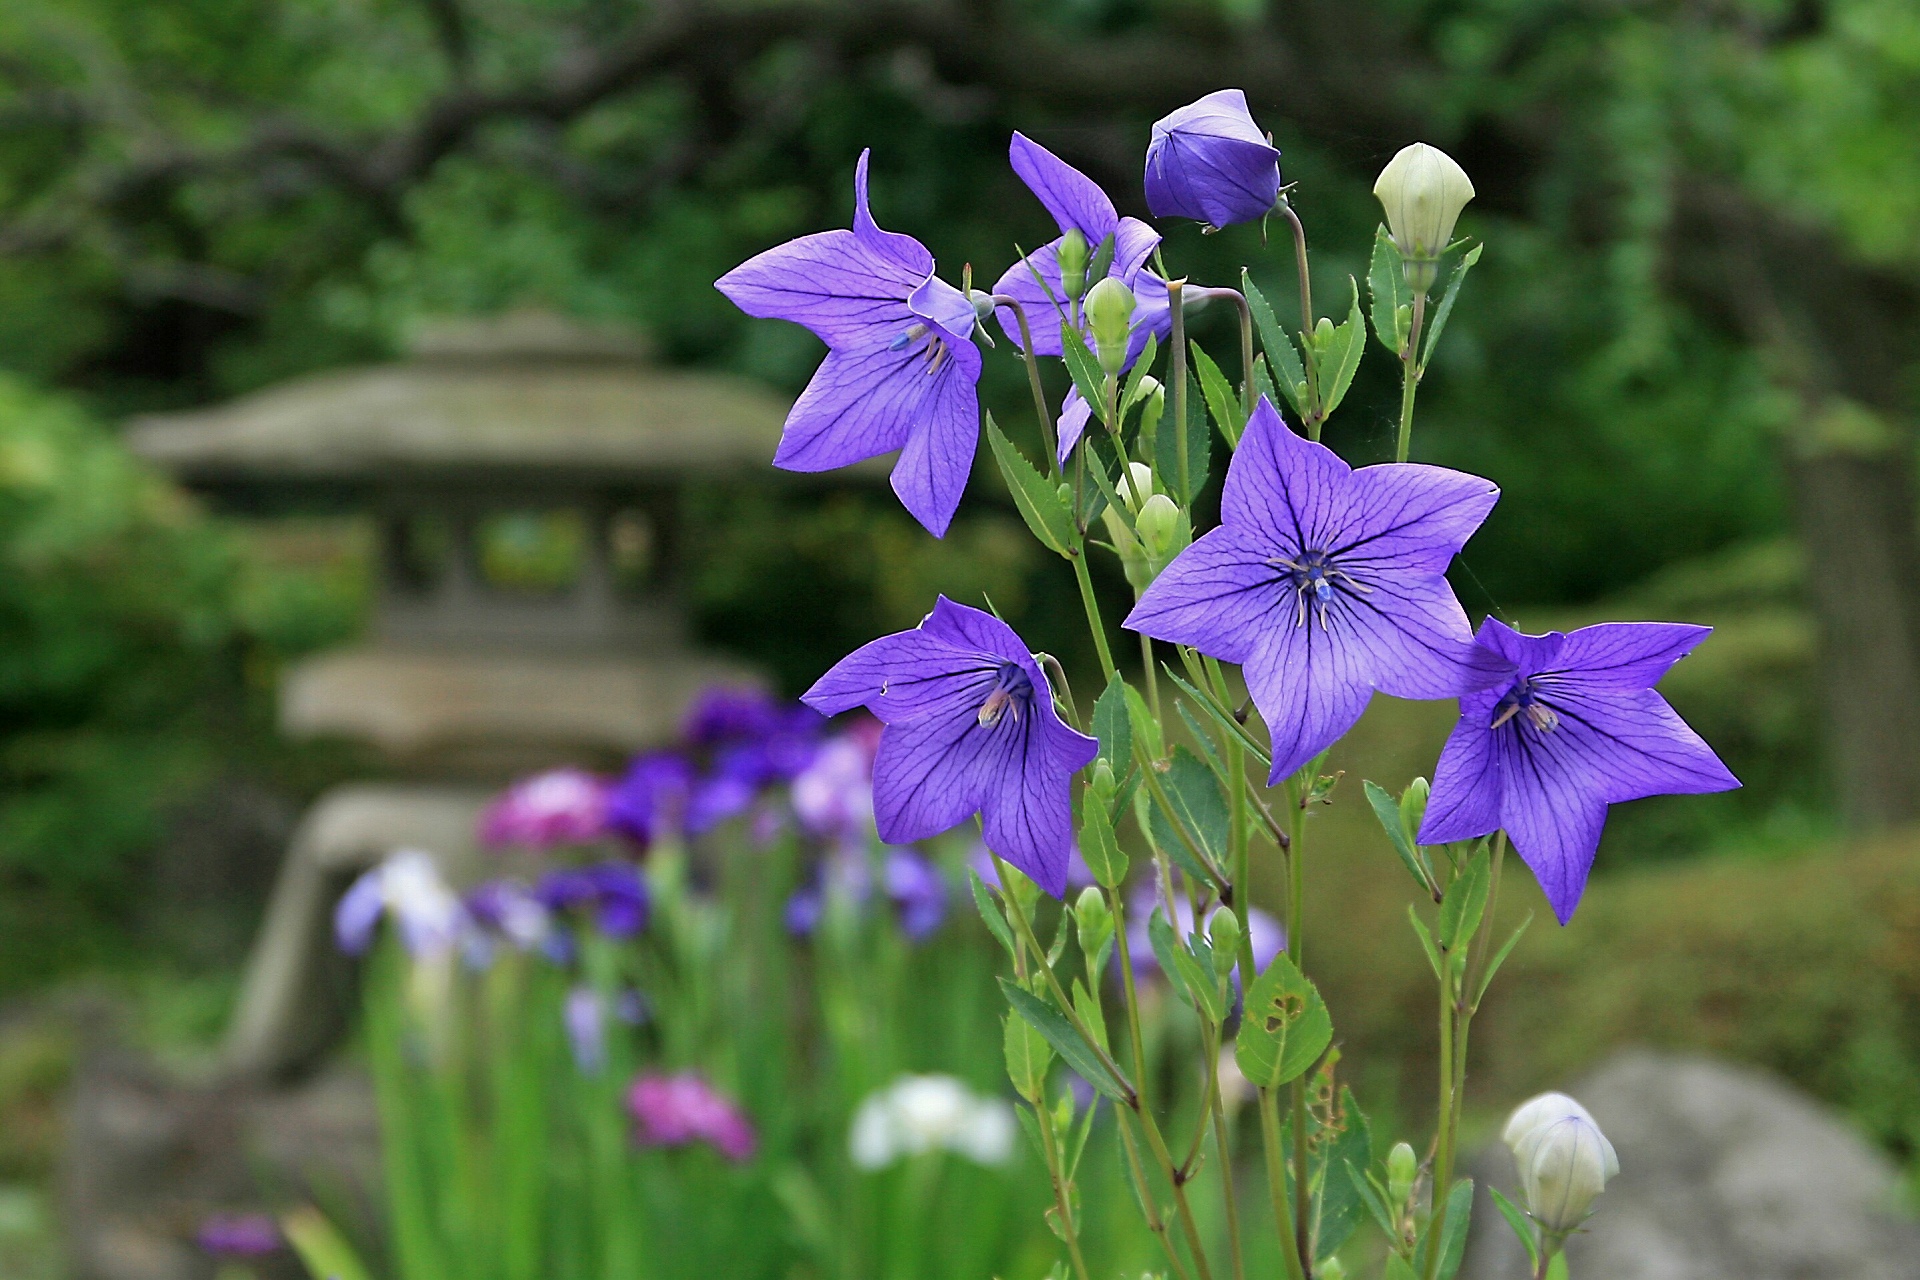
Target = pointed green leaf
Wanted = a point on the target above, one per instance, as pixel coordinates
(1465, 902)
(1105, 858)
(1113, 727)
(321, 1247)
(1160, 937)
(1103, 464)
(1084, 369)
(1199, 808)
(1285, 1029)
(1453, 1238)
(1292, 375)
(1037, 498)
(1500, 958)
(990, 911)
(1426, 940)
(1340, 357)
(1222, 718)
(1028, 1058)
(1141, 368)
(1387, 810)
(1222, 403)
(1392, 299)
(1090, 1012)
(1439, 321)
(1398, 1269)
(1146, 729)
(1067, 1042)
(1521, 1224)
(1375, 1202)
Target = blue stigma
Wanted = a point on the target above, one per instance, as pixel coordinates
(1523, 699)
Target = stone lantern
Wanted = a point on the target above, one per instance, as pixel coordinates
(523, 473)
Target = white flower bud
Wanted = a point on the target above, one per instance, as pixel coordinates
(1564, 1164)
(1534, 1112)
(1422, 191)
(1137, 485)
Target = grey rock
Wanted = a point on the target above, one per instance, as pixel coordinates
(1725, 1174)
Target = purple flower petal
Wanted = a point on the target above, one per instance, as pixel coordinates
(1544, 751)
(1210, 162)
(1075, 414)
(1076, 201)
(1325, 584)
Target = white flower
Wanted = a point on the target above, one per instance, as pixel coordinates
(1563, 1159)
(916, 1114)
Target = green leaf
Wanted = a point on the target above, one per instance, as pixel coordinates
(1141, 368)
(1521, 1224)
(1426, 940)
(1103, 464)
(1392, 300)
(1166, 946)
(1387, 810)
(990, 911)
(1105, 858)
(1067, 1042)
(1375, 1202)
(1500, 958)
(321, 1248)
(1038, 499)
(1028, 1058)
(1465, 902)
(1204, 739)
(1286, 1027)
(1199, 808)
(1453, 1236)
(1113, 726)
(1101, 263)
(1090, 1013)
(1222, 718)
(1203, 988)
(1340, 356)
(1280, 350)
(1031, 1123)
(1398, 1269)
(1084, 369)
(1146, 730)
(1413, 810)
(1181, 462)
(1263, 384)
(1222, 403)
(1337, 1205)
(1439, 321)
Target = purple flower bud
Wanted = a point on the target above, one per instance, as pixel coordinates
(586, 1030)
(650, 799)
(678, 1110)
(1210, 162)
(561, 806)
(239, 1235)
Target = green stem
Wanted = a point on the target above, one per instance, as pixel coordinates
(1229, 1199)
(1063, 1200)
(1072, 1015)
(1177, 370)
(1153, 676)
(1296, 916)
(1277, 1179)
(1033, 378)
(1092, 606)
(1300, 261)
(1155, 1223)
(1410, 378)
(1443, 1143)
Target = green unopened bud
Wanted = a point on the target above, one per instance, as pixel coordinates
(1137, 485)
(1403, 1169)
(1072, 256)
(1331, 1269)
(1223, 931)
(1094, 923)
(1153, 406)
(1423, 192)
(1110, 312)
(1100, 782)
(1157, 525)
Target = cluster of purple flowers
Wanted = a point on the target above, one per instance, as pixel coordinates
(1325, 583)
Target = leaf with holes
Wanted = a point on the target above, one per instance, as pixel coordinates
(1286, 1027)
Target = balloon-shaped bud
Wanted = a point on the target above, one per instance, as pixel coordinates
(1137, 485)
(1210, 162)
(1403, 1170)
(1223, 931)
(1153, 406)
(1564, 1162)
(1110, 312)
(1094, 922)
(1072, 256)
(1423, 192)
(1100, 783)
(1157, 525)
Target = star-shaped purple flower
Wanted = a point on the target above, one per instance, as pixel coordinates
(1078, 204)
(970, 727)
(1573, 726)
(1210, 162)
(901, 368)
(1325, 584)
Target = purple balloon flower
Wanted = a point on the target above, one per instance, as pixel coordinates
(239, 1235)
(678, 1110)
(1573, 725)
(650, 799)
(612, 891)
(1078, 204)
(560, 806)
(1210, 162)
(901, 366)
(970, 728)
(1326, 583)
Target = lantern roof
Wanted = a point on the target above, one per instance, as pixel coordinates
(528, 393)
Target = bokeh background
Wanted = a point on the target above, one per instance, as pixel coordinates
(1690, 357)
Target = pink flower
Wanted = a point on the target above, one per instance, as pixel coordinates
(676, 1110)
(561, 806)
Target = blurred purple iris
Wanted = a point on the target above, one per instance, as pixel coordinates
(649, 801)
(833, 796)
(558, 807)
(510, 909)
(681, 1109)
(612, 891)
(914, 888)
(239, 1235)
